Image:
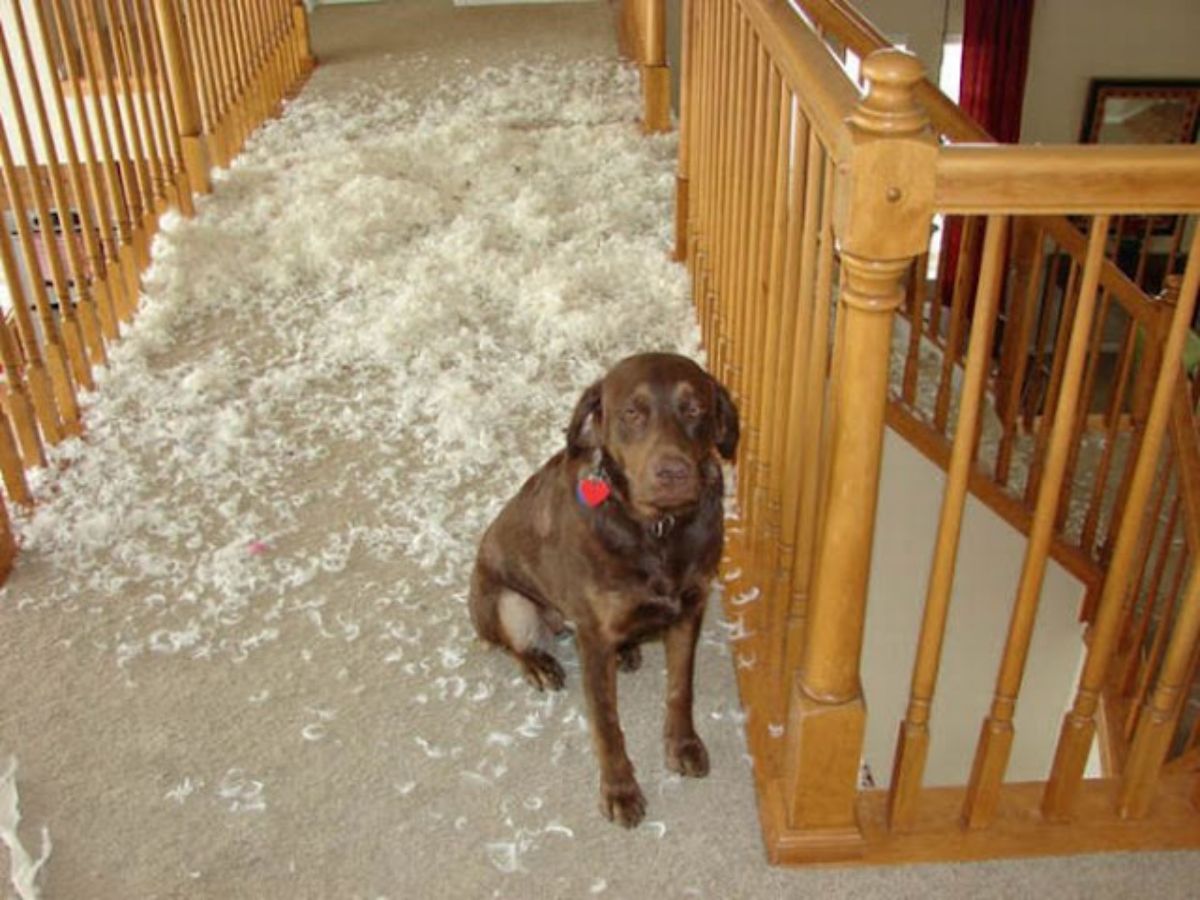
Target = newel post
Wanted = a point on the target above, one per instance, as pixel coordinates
(183, 92)
(883, 210)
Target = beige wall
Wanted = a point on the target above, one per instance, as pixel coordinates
(1076, 40)
(918, 24)
(985, 584)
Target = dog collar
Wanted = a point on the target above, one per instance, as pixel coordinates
(662, 527)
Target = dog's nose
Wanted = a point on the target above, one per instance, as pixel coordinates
(673, 469)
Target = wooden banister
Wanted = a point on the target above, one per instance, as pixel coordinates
(1070, 179)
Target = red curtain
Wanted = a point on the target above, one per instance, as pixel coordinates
(994, 63)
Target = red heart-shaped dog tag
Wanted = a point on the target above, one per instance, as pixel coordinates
(593, 491)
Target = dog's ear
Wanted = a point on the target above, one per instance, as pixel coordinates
(584, 431)
(728, 428)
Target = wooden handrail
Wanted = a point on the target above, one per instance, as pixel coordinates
(827, 97)
(1068, 179)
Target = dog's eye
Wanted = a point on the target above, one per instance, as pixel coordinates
(693, 411)
(631, 413)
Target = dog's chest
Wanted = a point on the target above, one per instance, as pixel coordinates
(643, 608)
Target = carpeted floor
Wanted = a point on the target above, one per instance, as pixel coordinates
(236, 660)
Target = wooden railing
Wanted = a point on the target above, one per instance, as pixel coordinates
(809, 206)
(113, 112)
(642, 34)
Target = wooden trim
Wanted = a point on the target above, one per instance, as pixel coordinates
(1017, 830)
(1067, 179)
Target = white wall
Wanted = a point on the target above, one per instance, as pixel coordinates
(989, 566)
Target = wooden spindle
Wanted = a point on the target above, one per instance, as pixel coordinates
(184, 98)
(1138, 676)
(1078, 727)
(687, 116)
(914, 304)
(995, 742)
(964, 278)
(132, 67)
(70, 333)
(58, 355)
(154, 97)
(98, 219)
(8, 544)
(11, 469)
(125, 115)
(81, 328)
(912, 745)
(303, 43)
(19, 397)
(123, 198)
(1091, 521)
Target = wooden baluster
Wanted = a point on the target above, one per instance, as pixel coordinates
(744, 175)
(8, 544)
(1078, 729)
(19, 397)
(720, 127)
(99, 219)
(1053, 392)
(185, 99)
(656, 77)
(81, 330)
(1085, 408)
(754, 236)
(912, 745)
(223, 66)
(41, 389)
(700, 155)
(11, 469)
(132, 68)
(1139, 670)
(271, 74)
(119, 119)
(995, 741)
(187, 25)
(71, 333)
(964, 277)
(1028, 259)
(883, 226)
(161, 115)
(59, 357)
(767, 357)
(1156, 724)
(914, 304)
(123, 242)
(687, 116)
(246, 59)
(303, 43)
(791, 348)
(123, 199)
(138, 160)
(734, 127)
(1133, 627)
(793, 444)
(1091, 521)
(208, 78)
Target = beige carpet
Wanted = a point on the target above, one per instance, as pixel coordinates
(256, 678)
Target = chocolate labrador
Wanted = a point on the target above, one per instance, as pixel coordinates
(617, 538)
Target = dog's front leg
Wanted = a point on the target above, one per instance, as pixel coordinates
(621, 799)
(685, 751)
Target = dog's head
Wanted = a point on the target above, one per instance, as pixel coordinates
(659, 418)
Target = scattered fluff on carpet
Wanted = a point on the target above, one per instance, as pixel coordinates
(24, 868)
(384, 302)
(375, 329)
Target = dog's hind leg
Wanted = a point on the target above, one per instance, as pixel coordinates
(516, 624)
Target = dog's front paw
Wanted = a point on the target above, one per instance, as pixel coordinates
(687, 756)
(622, 802)
(629, 659)
(542, 670)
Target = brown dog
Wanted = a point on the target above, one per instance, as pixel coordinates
(617, 538)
